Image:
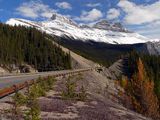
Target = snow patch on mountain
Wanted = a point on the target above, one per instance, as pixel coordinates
(14, 21)
(62, 26)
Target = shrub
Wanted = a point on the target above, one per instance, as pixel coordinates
(83, 94)
(124, 82)
(70, 91)
(34, 111)
(38, 89)
(18, 100)
(50, 82)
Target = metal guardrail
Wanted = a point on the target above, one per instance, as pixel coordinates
(12, 89)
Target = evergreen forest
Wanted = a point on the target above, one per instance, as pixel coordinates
(20, 45)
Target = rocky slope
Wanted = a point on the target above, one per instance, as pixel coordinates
(102, 103)
(153, 47)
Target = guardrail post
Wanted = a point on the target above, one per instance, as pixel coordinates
(15, 89)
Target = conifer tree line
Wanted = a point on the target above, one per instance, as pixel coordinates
(152, 67)
(143, 84)
(19, 45)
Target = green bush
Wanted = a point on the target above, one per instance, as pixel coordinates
(82, 96)
(70, 91)
(38, 89)
(50, 82)
(18, 100)
(34, 111)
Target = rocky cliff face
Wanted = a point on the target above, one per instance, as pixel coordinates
(60, 18)
(153, 48)
(106, 25)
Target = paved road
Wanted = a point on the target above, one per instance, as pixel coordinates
(7, 81)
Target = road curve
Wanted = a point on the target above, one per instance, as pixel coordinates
(7, 81)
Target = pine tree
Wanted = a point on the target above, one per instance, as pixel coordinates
(144, 98)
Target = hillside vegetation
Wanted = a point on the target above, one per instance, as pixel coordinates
(19, 45)
(102, 53)
(143, 83)
(152, 67)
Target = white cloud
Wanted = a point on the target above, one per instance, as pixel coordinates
(139, 14)
(151, 30)
(145, 17)
(63, 5)
(90, 16)
(93, 4)
(113, 14)
(35, 9)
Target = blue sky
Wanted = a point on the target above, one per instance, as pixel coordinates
(142, 16)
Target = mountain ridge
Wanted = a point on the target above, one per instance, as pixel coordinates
(62, 26)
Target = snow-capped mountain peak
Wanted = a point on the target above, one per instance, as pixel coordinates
(106, 25)
(103, 24)
(103, 31)
(64, 19)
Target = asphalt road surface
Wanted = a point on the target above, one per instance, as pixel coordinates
(7, 81)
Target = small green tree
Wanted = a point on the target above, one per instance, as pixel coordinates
(34, 111)
(83, 94)
(70, 89)
(18, 100)
(50, 82)
(32, 102)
